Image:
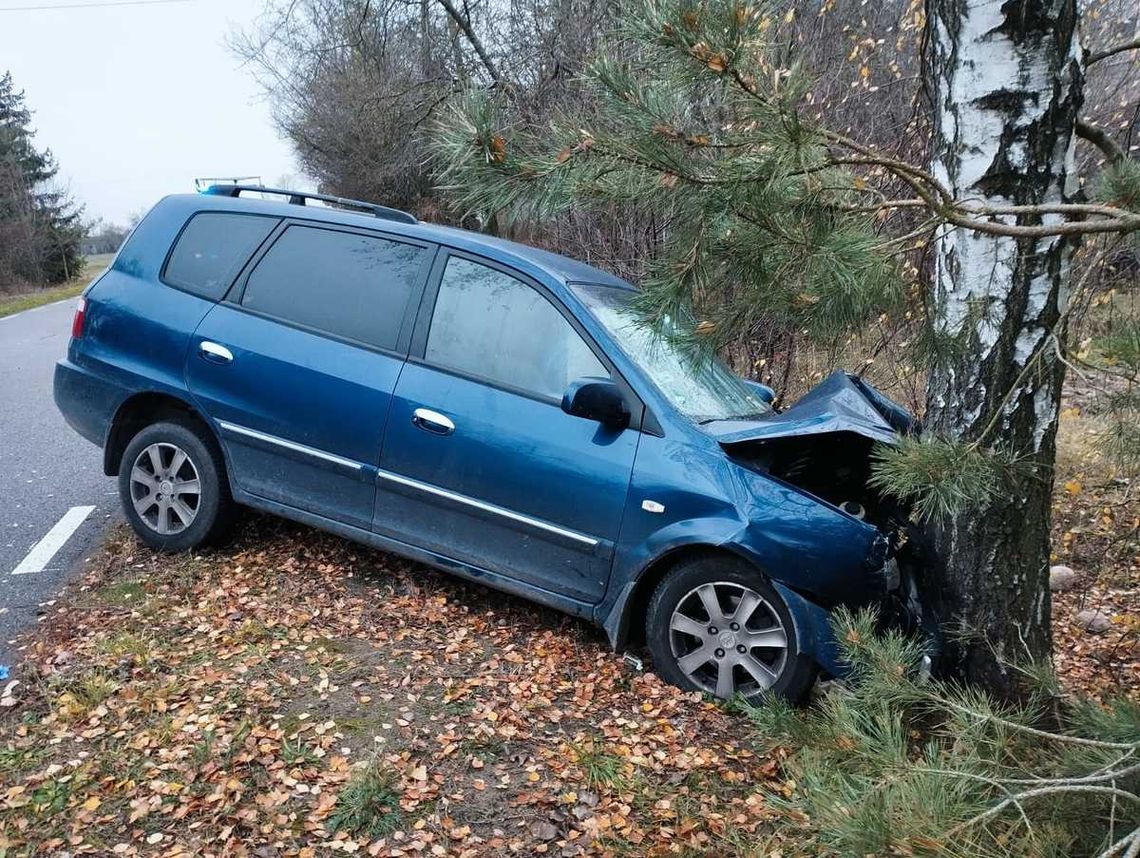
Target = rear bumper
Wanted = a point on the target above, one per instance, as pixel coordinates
(87, 402)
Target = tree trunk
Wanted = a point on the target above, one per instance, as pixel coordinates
(1006, 80)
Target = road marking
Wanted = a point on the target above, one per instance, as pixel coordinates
(44, 550)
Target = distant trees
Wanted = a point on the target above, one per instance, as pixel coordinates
(40, 229)
(103, 237)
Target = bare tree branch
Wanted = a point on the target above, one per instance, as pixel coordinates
(1101, 139)
(464, 24)
(1097, 56)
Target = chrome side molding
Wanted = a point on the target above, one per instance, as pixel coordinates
(291, 445)
(428, 488)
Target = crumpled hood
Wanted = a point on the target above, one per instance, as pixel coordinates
(840, 403)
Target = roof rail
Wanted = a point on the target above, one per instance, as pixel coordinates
(298, 198)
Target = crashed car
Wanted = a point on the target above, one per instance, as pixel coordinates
(487, 408)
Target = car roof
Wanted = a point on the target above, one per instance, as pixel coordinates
(561, 268)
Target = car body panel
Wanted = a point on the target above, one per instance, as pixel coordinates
(325, 461)
(711, 501)
(541, 494)
(839, 403)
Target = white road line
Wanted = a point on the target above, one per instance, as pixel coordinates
(44, 550)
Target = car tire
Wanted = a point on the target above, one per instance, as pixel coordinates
(173, 487)
(715, 620)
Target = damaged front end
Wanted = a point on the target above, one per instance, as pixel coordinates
(822, 447)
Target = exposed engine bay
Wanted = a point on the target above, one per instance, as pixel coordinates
(835, 467)
(822, 445)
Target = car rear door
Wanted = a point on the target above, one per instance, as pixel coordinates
(298, 365)
(480, 463)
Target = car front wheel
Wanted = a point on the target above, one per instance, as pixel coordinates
(173, 487)
(714, 624)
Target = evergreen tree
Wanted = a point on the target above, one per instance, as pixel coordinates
(773, 219)
(40, 228)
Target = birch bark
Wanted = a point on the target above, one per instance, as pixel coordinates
(1006, 80)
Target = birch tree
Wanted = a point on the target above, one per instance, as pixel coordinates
(1006, 81)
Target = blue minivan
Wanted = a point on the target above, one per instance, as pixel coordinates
(487, 408)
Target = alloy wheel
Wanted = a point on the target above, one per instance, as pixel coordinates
(165, 488)
(727, 638)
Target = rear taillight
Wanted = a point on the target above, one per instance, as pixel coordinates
(79, 318)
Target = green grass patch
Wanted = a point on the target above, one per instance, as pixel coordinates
(601, 769)
(122, 593)
(296, 752)
(12, 304)
(369, 804)
(14, 760)
(124, 643)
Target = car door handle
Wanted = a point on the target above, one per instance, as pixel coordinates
(432, 421)
(215, 353)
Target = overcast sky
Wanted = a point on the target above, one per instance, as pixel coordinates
(136, 101)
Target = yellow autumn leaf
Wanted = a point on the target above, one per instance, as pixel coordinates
(92, 803)
(1073, 487)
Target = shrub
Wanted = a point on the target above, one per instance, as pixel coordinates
(889, 762)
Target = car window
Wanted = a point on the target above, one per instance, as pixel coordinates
(212, 250)
(490, 325)
(346, 284)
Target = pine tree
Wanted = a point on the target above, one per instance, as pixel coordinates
(40, 229)
(771, 219)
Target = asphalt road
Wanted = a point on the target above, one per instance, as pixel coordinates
(46, 472)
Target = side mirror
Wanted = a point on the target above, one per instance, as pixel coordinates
(762, 390)
(596, 399)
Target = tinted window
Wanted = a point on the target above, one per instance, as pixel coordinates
(493, 326)
(212, 250)
(355, 286)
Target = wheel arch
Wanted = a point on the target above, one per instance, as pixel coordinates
(139, 411)
(630, 629)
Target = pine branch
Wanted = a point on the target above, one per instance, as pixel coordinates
(1036, 793)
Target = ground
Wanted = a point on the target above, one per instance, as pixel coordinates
(1096, 532)
(18, 302)
(296, 694)
(216, 704)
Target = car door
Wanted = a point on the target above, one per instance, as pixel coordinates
(298, 366)
(480, 463)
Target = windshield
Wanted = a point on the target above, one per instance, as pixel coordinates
(701, 390)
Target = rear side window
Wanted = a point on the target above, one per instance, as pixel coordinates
(490, 325)
(341, 283)
(212, 250)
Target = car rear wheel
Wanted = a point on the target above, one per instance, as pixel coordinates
(173, 487)
(714, 624)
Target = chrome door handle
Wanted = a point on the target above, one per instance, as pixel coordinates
(214, 352)
(432, 421)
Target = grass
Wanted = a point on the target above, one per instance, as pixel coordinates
(11, 304)
(602, 770)
(369, 803)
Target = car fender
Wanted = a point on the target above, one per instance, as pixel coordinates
(815, 637)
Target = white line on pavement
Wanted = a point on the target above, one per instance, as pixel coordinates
(44, 550)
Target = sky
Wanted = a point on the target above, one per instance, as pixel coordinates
(136, 101)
